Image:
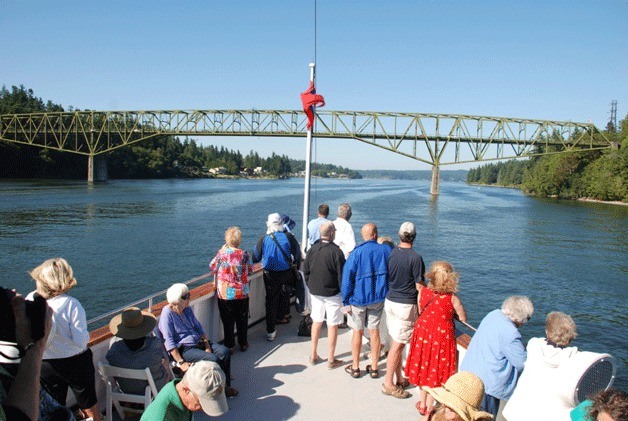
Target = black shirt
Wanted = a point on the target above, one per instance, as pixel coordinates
(405, 270)
(323, 269)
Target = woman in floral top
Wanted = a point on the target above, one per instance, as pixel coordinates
(231, 266)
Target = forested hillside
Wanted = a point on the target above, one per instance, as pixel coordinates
(599, 175)
(160, 157)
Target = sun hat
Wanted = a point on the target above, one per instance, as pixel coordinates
(207, 380)
(462, 393)
(132, 323)
(287, 221)
(274, 219)
(407, 228)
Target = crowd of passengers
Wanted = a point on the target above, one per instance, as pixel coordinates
(379, 289)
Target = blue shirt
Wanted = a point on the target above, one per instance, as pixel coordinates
(365, 275)
(496, 355)
(149, 355)
(179, 329)
(312, 229)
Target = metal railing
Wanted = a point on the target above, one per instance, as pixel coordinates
(150, 299)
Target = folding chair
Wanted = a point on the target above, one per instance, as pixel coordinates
(115, 395)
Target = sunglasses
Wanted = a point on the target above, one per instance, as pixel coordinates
(186, 296)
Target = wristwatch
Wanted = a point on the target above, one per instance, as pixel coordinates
(180, 363)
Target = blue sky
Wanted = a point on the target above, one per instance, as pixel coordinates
(556, 60)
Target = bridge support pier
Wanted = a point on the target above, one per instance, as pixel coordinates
(435, 180)
(90, 169)
(97, 169)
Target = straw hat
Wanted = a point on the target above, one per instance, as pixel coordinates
(462, 393)
(132, 323)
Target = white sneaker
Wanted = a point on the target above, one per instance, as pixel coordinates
(271, 336)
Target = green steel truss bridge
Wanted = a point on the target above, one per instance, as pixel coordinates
(435, 139)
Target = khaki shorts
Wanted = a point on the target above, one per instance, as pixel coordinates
(400, 320)
(368, 316)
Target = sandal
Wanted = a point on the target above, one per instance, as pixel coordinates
(395, 392)
(334, 364)
(422, 409)
(404, 383)
(373, 373)
(354, 372)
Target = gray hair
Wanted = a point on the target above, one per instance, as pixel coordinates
(175, 292)
(518, 309)
(560, 328)
(344, 211)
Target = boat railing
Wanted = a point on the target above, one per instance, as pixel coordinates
(149, 300)
(467, 325)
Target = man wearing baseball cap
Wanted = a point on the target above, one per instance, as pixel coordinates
(201, 388)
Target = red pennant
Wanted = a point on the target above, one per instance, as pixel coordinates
(311, 99)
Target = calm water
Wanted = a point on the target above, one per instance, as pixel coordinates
(128, 239)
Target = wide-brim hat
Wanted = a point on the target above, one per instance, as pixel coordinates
(274, 219)
(132, 323)
(287, 221)
(462, 393)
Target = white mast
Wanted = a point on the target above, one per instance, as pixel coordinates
(308, 159)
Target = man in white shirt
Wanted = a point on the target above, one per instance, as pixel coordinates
(345, 238)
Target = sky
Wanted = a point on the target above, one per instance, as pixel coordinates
(555, 60)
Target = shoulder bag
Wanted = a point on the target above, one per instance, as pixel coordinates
(293, 266)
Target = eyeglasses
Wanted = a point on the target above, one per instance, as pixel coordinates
(186, 296)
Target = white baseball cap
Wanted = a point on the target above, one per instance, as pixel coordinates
(207, 380)
(407, 228)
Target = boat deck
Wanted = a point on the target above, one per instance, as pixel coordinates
(276, 382)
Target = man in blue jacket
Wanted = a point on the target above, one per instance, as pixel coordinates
(364, 288)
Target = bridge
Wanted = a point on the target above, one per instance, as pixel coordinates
(435, 139)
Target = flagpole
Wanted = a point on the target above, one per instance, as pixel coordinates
(308, 171)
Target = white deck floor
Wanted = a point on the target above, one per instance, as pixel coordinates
(276, 382)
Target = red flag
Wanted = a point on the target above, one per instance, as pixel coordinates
(311, 99)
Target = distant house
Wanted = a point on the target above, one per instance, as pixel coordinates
(258, 170)
(218, 170)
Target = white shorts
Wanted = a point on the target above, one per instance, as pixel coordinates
(400, 320)
(330, 305)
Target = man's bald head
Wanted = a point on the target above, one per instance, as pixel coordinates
(369, 232)
(327, 230)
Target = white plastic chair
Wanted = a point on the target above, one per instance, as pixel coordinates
(115, 395)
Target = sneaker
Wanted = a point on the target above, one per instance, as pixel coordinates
(271, 336)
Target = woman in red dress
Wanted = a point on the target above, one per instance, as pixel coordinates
(433, 359)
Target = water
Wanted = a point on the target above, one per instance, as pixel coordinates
(128, 239)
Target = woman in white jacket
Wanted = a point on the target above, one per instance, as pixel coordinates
(538, 392)
(67, 361)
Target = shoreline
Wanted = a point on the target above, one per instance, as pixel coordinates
(578, 199)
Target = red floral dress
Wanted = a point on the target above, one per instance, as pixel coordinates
(433, 359)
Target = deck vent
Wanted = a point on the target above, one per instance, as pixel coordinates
(585, 374)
